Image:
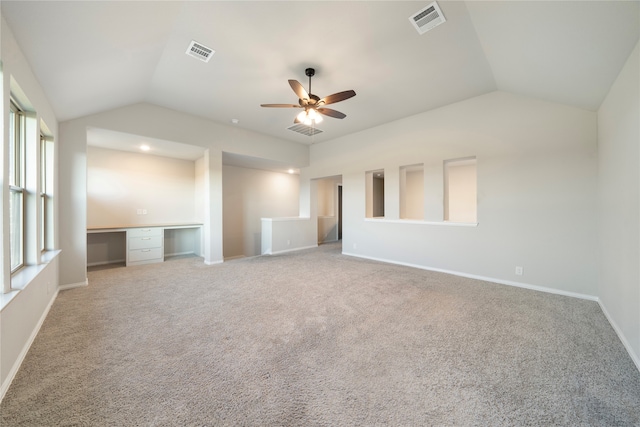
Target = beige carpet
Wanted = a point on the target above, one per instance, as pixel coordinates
(315, 338)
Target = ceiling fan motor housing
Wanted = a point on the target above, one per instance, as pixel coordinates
(313, 100)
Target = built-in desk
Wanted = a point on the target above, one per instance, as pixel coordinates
(142, 244)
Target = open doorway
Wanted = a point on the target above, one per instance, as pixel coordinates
(339, 211)
(329, 209)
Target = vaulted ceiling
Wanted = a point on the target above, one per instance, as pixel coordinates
(95, 56)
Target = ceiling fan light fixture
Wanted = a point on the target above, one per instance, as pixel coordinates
(313, 105)
(309, 116)
(314, 116)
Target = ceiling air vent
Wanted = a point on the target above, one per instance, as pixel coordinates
(304, 129)
(428, 18)
(199, 51)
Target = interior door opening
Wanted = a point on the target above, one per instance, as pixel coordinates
(339, 212)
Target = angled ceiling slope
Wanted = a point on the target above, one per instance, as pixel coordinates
(95, 56)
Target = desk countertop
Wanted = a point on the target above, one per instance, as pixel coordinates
(173, 225)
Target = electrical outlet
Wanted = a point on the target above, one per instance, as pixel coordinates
(288, 242)
(144, 211)
(355, 246)
(519, 271)
(139, 211)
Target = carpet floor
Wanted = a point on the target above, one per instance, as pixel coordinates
(315, 338)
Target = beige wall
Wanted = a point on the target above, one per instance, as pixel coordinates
(327, 199)
(412, 192)
(119, 183)
(460, 204)
(248, 196)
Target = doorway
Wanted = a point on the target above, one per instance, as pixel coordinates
(339, 211)
(329, 208)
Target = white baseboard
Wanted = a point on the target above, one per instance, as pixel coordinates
(213, 262)
(25, 349)
(179, 254)
(625, 342)
(483, 278)
(291, 250)
(73, 285)
(114, 261)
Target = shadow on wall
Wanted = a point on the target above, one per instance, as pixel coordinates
(327, 229)
(257, 242)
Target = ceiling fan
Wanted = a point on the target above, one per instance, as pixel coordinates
(312, 104)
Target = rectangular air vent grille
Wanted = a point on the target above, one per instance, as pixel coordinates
(304, 129)
(428, 18)
(200, 51)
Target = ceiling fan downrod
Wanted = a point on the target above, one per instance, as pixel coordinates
(310, 72)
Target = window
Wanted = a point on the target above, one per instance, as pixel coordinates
(46, 193)
(16, 185)
(375, 194)
(412, 192)
(460, 190)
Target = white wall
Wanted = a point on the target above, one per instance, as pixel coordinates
(248, 196)
(619, 201)
(23, 311)
(288, 234)
(161, 123)
(536, 164)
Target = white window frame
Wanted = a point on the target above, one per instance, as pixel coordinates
(17, 167)
(46, 196)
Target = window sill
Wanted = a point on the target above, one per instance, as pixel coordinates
(415, 221)
(21, 279)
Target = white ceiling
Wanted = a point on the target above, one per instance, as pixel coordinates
(95, 56)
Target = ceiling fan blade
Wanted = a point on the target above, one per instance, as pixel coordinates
(280, 105)
(298, 89)
(337, 97)
(331, 113)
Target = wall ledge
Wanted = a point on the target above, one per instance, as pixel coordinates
(21, 279)
(291, 218)
(420, 222)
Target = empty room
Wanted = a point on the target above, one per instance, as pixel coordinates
(331, 213)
